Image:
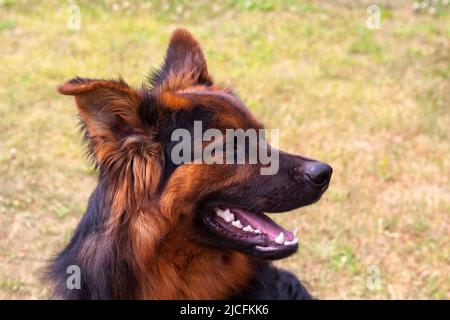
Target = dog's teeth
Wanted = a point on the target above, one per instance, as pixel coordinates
(280, 238)
(286, 243)
(237, 224)
(295, 231)
(225, 214)
(257, 231)
(248, 228)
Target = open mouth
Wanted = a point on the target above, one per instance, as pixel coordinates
(252, 232)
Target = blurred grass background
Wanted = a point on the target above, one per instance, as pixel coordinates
(372, 103)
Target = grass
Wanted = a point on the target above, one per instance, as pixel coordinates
(374, 104)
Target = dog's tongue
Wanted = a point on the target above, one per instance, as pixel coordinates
(262, 222)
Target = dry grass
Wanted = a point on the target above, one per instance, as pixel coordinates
(374, 104)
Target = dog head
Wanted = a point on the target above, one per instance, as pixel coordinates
(134, 138)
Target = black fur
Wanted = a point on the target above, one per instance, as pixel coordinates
(272, 283)
(103, 266)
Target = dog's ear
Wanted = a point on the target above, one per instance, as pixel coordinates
(109, 112)
(184, 64)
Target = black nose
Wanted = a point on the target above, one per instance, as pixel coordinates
(318, 173)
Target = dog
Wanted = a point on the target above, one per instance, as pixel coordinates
(157, 229)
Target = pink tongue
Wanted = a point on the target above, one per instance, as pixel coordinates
(261, 222)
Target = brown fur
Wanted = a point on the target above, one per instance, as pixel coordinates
(138, 238)
(153, 230)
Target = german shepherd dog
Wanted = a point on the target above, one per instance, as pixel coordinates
(156, 229)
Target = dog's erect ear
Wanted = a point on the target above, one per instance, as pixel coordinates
(108, 110)
(184, 64)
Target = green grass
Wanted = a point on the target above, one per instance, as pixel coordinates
(373, 104)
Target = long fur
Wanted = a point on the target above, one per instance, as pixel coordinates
(136, 239)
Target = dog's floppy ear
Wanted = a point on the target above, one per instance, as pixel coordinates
(184, 64)
(108, 110)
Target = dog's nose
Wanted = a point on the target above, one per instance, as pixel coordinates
(318, 173)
